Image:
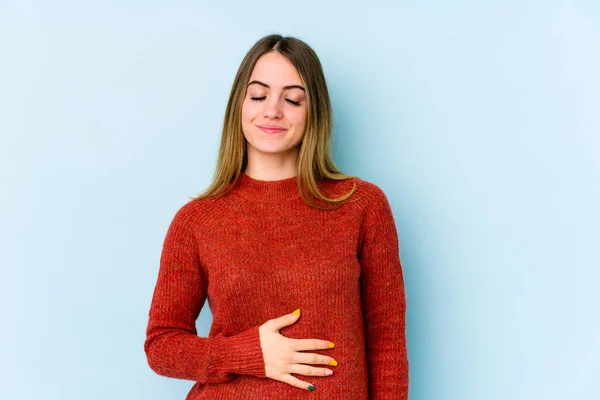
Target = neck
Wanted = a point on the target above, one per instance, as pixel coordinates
(268, 191)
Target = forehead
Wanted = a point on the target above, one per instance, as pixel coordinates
(275, 70)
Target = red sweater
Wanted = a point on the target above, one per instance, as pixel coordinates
(261, 252)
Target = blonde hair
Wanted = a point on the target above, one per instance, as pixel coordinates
(314, 162)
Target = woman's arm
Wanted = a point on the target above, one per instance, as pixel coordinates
(383, 299)
(172, 346)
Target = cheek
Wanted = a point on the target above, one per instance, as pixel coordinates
(248, 111)
(298, 117)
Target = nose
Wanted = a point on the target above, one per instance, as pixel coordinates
(272, 107)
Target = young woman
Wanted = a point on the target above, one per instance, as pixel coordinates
(282, 229)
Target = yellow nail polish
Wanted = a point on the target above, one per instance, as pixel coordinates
(331, 345)
(296, 311)
(333, 362)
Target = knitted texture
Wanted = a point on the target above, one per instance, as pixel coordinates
(261, 252)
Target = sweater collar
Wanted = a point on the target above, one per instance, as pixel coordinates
(267, 191)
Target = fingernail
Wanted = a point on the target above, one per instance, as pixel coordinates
(328, 372)
(333, 362)
(296, 311)
(311, 387)
(331, 345)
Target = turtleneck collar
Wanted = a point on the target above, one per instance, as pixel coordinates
(267, 191)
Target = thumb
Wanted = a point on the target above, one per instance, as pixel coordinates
(286, 320)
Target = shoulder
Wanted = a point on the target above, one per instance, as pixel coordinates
(206, 213)
(193, 211)
(188, 210)
(364, 189)
(369, 194)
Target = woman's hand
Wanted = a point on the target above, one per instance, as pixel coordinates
(282, 356)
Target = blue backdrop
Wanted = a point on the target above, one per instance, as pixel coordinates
(479, 120)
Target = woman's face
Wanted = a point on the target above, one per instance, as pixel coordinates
(274, 98)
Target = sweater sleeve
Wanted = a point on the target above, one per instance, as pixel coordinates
(172, 346)
(383, 301)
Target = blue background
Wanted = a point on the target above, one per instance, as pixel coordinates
(479, 120)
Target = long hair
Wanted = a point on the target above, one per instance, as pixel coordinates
(314, 162)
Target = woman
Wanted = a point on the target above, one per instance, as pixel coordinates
(282, 229)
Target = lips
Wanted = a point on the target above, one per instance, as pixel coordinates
(271, 128)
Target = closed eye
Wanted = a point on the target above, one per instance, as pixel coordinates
(296, 103)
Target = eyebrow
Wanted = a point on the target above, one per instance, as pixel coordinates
(284, 88)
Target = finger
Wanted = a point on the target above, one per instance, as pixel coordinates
(311, 344)
(312, 358)
(283, 321)
(302, 369)
(292, 380)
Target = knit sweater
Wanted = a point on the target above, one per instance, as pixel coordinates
(259, 253)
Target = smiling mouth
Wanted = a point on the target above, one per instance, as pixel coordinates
(271, 130)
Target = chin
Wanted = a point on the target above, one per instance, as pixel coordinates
(270, 148)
